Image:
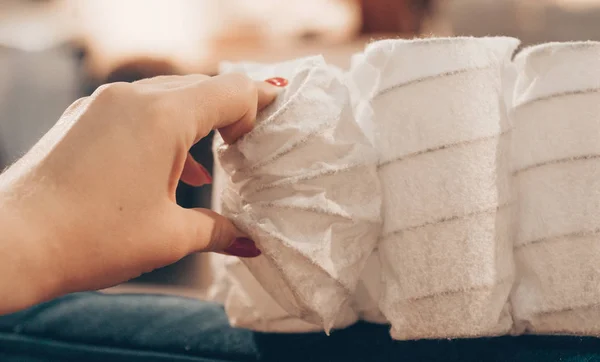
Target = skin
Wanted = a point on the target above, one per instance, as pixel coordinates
(92, 204)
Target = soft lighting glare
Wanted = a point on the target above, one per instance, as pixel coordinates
(189, 32)
(34, 27)
(186, 33)
(175, 29)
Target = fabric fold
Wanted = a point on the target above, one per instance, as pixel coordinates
(441, 134)
(438, 186)
(303, 184)
(557, 175)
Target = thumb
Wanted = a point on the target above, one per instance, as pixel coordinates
(210, 231)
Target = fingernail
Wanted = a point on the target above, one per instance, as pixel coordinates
(243, 247)
(206, 174)
(277, 81)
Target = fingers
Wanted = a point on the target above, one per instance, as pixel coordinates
(194, 174)
(208, 231)
(265, 96)
(226, 102)
(229, 102)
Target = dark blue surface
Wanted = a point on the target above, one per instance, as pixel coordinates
(98, 327)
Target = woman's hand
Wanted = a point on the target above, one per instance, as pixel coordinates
(93, 203)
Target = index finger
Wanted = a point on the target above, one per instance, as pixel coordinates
(227, 102)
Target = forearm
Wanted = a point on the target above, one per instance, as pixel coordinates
(26, 273)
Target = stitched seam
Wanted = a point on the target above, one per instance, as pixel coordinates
(430, 77)
(568, 309)
(556, 95)
(577, 234)
(556, 162)
(447, 219)
(449, 292)
(443, 147)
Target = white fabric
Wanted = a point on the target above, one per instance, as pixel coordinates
(444, 172)
(303, 184)
(557, 177)
(475, 209)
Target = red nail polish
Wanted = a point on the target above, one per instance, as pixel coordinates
(277, 81)
(243, 247)
(206, 174)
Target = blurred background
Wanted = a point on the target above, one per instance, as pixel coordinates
(55, 51)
